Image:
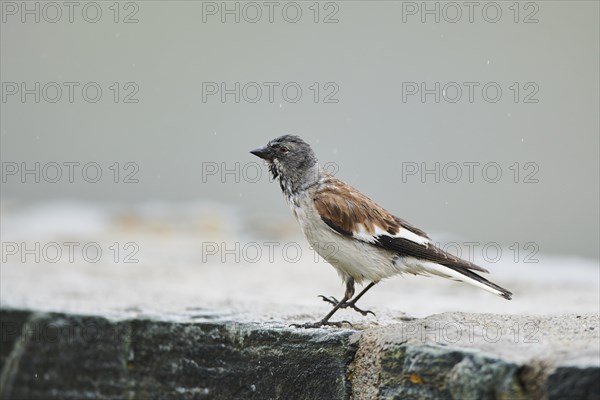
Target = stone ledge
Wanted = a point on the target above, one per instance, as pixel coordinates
(452, 355)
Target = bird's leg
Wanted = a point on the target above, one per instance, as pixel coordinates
(336, 306)
(349, 293)
(345, 303)
(352, 303)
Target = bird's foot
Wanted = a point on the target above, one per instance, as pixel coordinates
(331, 300)
(351, 304)
(318, 324)
(363, 312)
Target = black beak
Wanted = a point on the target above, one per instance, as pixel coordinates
(263, 152)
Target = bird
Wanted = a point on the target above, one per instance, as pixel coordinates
(363, 242)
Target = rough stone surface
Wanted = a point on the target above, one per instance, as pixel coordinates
(481, 356)
(12, 325)
(577, 383)
(58, 356)
(445, 356)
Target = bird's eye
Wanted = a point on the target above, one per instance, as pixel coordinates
(284, 149)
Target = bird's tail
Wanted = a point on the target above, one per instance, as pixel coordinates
(466, 275)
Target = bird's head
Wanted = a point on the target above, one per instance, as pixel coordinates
(289, 157)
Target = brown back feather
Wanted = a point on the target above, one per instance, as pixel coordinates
(346, 207)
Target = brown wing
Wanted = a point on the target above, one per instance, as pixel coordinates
(345, 208)
(350, 213)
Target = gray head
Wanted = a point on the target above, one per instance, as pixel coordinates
(291, 159)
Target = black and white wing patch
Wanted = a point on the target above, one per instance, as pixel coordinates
(352, 214)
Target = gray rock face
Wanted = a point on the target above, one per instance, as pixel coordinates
(57, 356)
(446, 356)
(483, 356)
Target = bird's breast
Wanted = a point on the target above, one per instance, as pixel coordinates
(348, 256)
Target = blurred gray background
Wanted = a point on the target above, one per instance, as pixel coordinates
(175, 139)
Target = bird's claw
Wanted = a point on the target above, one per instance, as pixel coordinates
(330, 300)
(363, 312)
